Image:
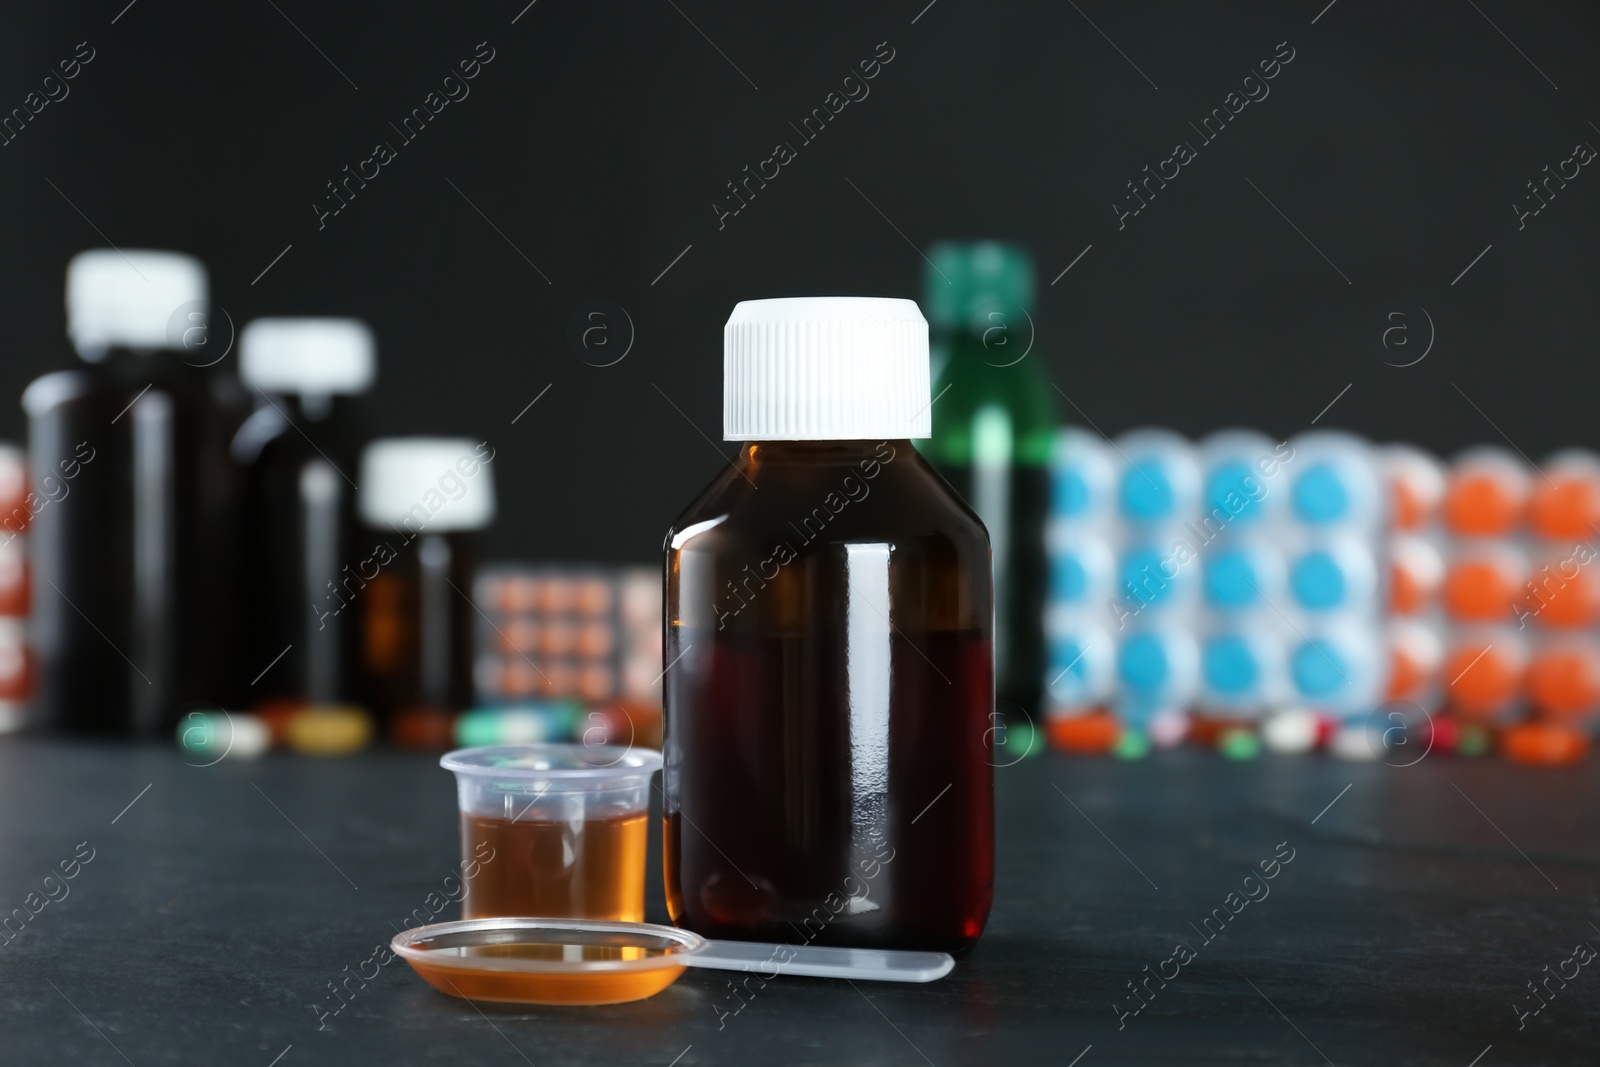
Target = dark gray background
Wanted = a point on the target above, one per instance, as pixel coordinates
(596, 141)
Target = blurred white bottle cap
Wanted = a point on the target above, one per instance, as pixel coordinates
(134, 299)
(308, 357)
(427, 484)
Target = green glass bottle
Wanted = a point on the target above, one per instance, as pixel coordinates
(994, 418)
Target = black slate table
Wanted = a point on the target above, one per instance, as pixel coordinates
(1419, 905)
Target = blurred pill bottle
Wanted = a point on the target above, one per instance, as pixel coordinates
(133, 528)
(424, 501)
(994, 426)
(300, 453)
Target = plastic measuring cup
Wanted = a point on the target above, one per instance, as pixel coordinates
(553, 830)
(581, 961)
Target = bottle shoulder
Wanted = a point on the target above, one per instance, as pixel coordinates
(269, 435)
(57, 387)
(890, 494)
(260, 428)
(117, 383)
(1012, 380)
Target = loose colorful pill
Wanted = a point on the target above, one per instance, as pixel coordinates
(1239, 743)
(1474, 740)
(212, 736)
(1545, 744)
(330, 730)
(423, 728)
(1290, 732)
(1356, 742)
(514, 726)
(1132, 743)
(1168, 727)
(1091, 734)
(1446, 734)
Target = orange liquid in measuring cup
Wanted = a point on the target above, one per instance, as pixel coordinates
(593, 869)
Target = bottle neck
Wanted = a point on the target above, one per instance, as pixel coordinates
(307, 408)
(166, 366)
(819, 453)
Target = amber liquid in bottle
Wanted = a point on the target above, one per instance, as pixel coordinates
(417, 620)
(830, 703)
(593, 869)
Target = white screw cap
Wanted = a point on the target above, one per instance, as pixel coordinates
(129, 298)
(825, 368)
(307, 357)
(427, 484)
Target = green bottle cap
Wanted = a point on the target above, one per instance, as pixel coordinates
(965, 280)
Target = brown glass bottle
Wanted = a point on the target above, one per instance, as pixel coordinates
(417, 645)
(299, 453)
(829, 701)
(424, 501)
(299, 530)
(132, 555)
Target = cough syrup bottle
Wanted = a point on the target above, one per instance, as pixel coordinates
(994, 430)
(424, 501)
(133, 538)
(300, 453)
(829, 683)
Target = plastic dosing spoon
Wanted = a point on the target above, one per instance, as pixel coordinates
(588, 961)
